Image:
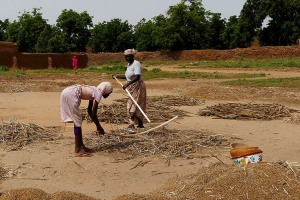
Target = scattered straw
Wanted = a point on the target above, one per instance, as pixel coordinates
(15, 134)
(163, 142)
(159, 109)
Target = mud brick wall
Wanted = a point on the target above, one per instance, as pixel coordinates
(7, 51)
(10, 57)
(41, 60)
(208, 54)
(248, 53)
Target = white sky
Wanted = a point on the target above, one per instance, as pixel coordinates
(105, 10)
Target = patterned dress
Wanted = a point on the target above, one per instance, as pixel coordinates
(137, 90)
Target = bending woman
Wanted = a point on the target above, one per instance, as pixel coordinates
(70, 101)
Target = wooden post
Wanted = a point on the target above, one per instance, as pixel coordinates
(50, 63)
(15, 62)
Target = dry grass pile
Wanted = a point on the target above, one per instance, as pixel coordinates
(247, 111)
(15, 134)
(164, 142)
(159, 109)
(38, 194)
(254, 181)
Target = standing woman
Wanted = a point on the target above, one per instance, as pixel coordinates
(136, 87)
(70, 101)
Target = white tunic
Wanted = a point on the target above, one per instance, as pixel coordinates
(132, 70)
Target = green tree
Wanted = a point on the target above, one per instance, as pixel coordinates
(51, 40)
(26, 31)
(187, 26)
(163, 35)
(144, 34)
(57, 44)
(75, 28)
(248, 23)
(230, 32)
(216, 27)
(3, 29)
(283, 27)
(112, 36)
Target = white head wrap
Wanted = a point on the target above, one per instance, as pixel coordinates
(105, 87)
(130, 52)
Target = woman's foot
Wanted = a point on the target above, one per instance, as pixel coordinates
(83, 155)
(141, 124)
(83, 152)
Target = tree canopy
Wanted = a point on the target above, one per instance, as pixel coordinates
(186, 25)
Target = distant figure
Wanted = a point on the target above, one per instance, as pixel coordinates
(75, 63)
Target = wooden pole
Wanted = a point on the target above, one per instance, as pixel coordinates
(147, 131)
(133, 100)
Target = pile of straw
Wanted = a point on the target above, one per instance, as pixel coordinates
(16, 134)
(219, 181)
(247, 111)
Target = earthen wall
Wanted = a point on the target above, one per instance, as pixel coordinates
(10, 57)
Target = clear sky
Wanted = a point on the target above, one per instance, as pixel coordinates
(105, 10)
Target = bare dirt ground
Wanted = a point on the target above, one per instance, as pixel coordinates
(49, 166)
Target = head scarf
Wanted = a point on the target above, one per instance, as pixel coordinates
(105, 87)
(130, 52)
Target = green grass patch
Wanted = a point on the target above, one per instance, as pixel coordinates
(3, 68)
(246, 63)
(157, 74)
(163, 62)
(16, 73)
(270, 82)
(106, 69)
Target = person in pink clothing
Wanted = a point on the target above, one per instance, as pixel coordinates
(69, 106)
(75, 63)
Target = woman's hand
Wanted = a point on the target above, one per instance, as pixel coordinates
(125, 86)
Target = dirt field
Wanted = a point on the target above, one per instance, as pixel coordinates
(170, 162)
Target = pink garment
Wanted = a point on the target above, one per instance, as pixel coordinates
(74, 62)
(71, 98)
(70, 101)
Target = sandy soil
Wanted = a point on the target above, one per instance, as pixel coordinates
(50, 166)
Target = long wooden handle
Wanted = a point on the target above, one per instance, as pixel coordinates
(141, 133)
(133, 100)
